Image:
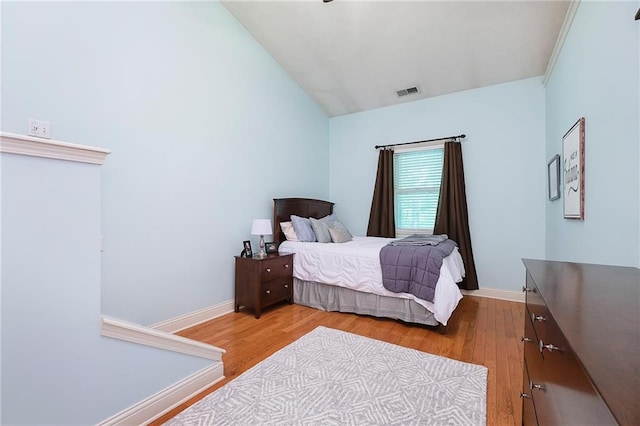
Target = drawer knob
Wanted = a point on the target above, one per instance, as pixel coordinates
(533, 386)
(268, 291)
(525, 339)
(286, 286)
(268, 269)
(524, 395)
(526, 289)
(535, 317)
(286, 266)
(549, 347)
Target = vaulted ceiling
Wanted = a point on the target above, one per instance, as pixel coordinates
(355, 55)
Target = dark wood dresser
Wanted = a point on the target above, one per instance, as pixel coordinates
(581, 344)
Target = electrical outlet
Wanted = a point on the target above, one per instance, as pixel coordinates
(34, 127)
(45, 129)
(39, 128)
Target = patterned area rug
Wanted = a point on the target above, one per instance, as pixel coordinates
(337, 378)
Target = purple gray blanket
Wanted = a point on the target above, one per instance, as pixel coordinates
(413, 267)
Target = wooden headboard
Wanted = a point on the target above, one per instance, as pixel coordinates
(283, 208)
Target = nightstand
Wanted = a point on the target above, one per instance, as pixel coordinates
(264, 281)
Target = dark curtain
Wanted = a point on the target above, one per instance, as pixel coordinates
(381, 219)
(452, 217)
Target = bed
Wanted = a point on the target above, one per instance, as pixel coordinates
(347, 277)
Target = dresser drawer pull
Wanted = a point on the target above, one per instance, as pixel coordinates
(524, 395)
(286, 266)
(286, 286)
(268, 269)
(533, 386)
(535, 317)
(528, 290)
(525, 339)
(549, 347)
(268, 291)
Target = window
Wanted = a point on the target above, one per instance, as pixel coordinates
(416, 182)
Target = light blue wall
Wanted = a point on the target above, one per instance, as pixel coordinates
(597, 77)
(204, 126)
(205, 129)
(504, 162)
(56, 368)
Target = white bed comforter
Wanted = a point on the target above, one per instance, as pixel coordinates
(356, 265)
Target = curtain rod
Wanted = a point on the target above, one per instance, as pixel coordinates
(449, 138)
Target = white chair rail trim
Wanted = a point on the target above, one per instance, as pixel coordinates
(135, 333)
(48, 148)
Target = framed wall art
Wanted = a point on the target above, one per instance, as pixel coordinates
(573, 171)
(553, 177)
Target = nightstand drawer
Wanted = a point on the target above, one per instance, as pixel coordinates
(276, 290)
(276, 268)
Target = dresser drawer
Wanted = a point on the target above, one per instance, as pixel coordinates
(532, 355)
(532, 292)
(535, 366)
(567, 385)
(536, 309)
(276, 268)
(528, 409)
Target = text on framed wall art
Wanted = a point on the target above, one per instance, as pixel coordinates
(573, 171)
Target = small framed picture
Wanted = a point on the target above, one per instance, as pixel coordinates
(270, 247)
(553, 177)
(246, 251)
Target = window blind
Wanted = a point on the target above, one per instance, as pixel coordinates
(416, 178)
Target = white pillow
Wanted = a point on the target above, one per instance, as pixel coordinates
(289, 232)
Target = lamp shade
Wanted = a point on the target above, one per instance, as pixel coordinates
(261, 227)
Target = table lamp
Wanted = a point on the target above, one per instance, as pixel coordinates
(261, 227)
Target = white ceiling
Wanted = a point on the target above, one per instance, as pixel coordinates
(354, 55)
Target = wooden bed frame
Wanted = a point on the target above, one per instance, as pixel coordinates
(283, 208)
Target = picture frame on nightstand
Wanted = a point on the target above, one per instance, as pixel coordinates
(271, 247)
(246, 249)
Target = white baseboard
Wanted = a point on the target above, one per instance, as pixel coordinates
(155, 406)
(189, 320)
(494, 293)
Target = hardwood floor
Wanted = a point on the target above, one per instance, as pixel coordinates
(481, 331)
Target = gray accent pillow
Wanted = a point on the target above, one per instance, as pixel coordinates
(339, 233)
(303, 229)
(321, 228)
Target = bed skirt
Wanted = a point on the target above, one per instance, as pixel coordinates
(333, 298)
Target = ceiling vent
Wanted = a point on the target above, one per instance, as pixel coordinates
(409, 91)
